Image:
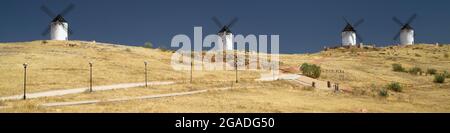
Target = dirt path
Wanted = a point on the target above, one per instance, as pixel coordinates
(307, 81)
(282, 76)
(81, 90)
(296, 78)
(129, 98)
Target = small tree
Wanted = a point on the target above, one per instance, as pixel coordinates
(148, 45)
(310, 70)
(397, 67)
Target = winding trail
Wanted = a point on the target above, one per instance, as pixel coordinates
(81, 90)
(296, 78)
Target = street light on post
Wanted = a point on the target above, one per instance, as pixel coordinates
(273, 71)
(145, 63)
(25, 65)
(236, 66)
(192, 63)
(90, 76)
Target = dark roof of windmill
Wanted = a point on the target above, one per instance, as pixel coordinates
(407, 27)
(59, 18)
(225, 29)
(349, 27)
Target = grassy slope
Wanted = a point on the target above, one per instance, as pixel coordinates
(366, 72)
(56, 65)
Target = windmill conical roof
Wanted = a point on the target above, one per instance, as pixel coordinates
(59, 18)
(225, 29)
(349, 27)
(407, 27)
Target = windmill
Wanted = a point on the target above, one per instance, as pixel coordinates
(59, 27)
(406, 33)
(349, 34)
(225, 33)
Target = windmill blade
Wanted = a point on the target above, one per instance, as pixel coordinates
(47, 11)
(397, 35)
(46, 31)
(346, 21)
(68, 9)
(358, 36)
(411, 19)
(66, 28)
(217, 22)
(396, 20)
(232, 22)
(358, 23)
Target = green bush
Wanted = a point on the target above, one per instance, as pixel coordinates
(431, 71)
(383, 93)
(394, 86)
(397, 67)
(415, 70)
(310, 70)
(439, 78)
(148, 45)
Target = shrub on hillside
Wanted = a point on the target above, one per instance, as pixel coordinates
(394, 86)
(383, 93)
(148, 45)
(415, 70)
(431, 71)
(439, 78)
(397, 67)
(310, 70)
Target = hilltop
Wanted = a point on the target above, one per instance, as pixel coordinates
(57, 65)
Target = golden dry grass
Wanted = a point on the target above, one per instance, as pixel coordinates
(56, 65)
(366, 71)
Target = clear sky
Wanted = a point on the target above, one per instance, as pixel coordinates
(303, 25)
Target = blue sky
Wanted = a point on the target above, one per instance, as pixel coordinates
(303, 25)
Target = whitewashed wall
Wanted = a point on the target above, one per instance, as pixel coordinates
(227, 40)
(348, 38)
(407, 37)
(59, 31)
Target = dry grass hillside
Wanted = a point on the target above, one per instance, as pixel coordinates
(57, 65)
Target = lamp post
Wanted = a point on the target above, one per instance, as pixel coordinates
(236, 66)
(192, 63)
(273, 71)
(25, 65)
(90, 76)
(145, 63)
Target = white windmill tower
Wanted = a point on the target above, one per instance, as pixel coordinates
(406, 33)
(59, 27)
(225, 34)
(349, 34)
